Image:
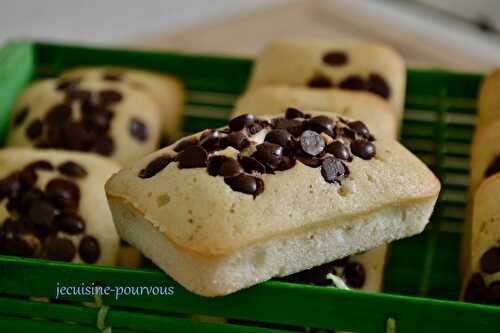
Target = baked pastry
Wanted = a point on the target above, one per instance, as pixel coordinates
(52, 206)
(323, 64)
(265, 197)
(372, 110)
(108, 118)
(166, 89)
(483, 280)
(489, 99)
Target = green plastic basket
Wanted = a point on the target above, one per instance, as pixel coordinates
(421, 279)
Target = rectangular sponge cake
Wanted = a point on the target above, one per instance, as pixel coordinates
(218, 214)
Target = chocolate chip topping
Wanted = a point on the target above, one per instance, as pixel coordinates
(280, 137)
(355, 275)
(155, 166)
(333, 170)
(353, 82)
(335, 58)
(42, 213)
(138, 129)
(490, 261)
(493, 168)
(269, 154)
(292, 113)
(240, 122)
(214, 163)
(58, 114)
(230, 168)
(320, 81)
(211, 140)
(61, 249)
(187, 142)
(108, 97)
(378, 86)
(294, 126)
(62, 193)
(321, 124)
(493, 294)
(237, 140)
(251, 164)
(35, 129)
(104, 145)
(89, 249)
(10, 186)
(312, 143)
(338, 150)
(246, 184)
(67, 85)
(72, 169)
(20, 116)
(310, 161)
(40, 165)
(476, 289)
(112, 77)
(192, 157)
(363, 149)
(70, 223)
(360, 128)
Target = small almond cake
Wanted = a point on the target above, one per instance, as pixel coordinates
(53, 206)
(324, 64)
(93, 115)
(268, 197)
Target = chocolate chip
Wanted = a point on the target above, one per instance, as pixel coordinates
(353, 82)
(280, 137)
(187, 142)
(321, 124)
(28, 177)
(59, 113)
(292, 113)
(360, 128)
(72, 169)
(333, 170)
(493, 168)
(20, 116)
(294, 126)
(192, 157)
(310, 161)
(62, 193)
(363, 149)
(72, 135)
(10, 186)
(240, 122)
(237, 140)
(108, 97)
(287, 163)
(339, 150)
(254, 128)
(269, 154)
(214, 163)
(312, 143)
(246, 184)
(476, 289)
(103, 145)
(89, 249)
(335, 58)
(155, 166)
(490, 261)
(40, 165)
(138, 129)
(355, 275)
(250, 164)
(112, 77)
(66, 85)
(377, 85)
(70, 223)
(42, 213)
(347, 133)
(75, 94)
(211, 140)
(18, 247)
(61, 249)
(35, 129)
(493, 294)
(230, 168)
(320, 81)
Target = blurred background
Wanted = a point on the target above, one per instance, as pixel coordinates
(451, 34)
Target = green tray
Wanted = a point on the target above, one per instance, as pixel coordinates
(421, 279)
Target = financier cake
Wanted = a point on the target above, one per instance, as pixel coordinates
(267, 197)
(53, 206)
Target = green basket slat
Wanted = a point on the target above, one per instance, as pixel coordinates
(438, 126)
